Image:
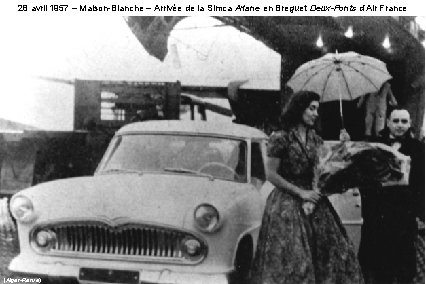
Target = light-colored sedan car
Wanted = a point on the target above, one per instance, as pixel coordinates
(170, 202)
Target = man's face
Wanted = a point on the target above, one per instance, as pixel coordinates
(399, 122)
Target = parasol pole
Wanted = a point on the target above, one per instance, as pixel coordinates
(341, 110)
(340, 102)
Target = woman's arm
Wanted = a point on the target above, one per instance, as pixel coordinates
(272, 165)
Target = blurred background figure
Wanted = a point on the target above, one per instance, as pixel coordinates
(376, 105)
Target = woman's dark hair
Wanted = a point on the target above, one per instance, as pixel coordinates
(293, 110)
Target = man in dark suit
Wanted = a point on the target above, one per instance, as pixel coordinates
(391, 214)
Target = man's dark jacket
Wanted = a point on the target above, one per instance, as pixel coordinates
(389, 214)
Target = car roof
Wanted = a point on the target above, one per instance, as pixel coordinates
(194, 127)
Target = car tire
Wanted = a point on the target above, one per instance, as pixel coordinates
(243, 259)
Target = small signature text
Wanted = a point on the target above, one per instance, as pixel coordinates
(21, 280)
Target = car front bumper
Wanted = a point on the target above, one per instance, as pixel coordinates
(75, 273)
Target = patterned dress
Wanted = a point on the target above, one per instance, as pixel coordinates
(293, 247)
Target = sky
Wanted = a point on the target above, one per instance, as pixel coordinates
(103, 48)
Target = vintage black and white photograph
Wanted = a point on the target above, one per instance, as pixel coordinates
(213, 149)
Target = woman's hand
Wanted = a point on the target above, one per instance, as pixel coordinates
(310, 198)
(344, 135)
(309, 195)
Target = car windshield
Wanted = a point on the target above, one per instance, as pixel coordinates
(214, 157)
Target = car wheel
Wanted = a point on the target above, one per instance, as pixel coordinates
(242, 263)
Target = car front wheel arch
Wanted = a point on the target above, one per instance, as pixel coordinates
(242, 261)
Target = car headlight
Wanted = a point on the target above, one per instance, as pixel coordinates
(22, 209)
(206, 218)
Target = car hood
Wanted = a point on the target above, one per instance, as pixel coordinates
(116, 198)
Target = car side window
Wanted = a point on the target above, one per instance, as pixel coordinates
(257, 167)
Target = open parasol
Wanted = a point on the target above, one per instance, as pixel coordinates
(340, 76)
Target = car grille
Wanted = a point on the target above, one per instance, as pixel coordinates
(139, 241)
